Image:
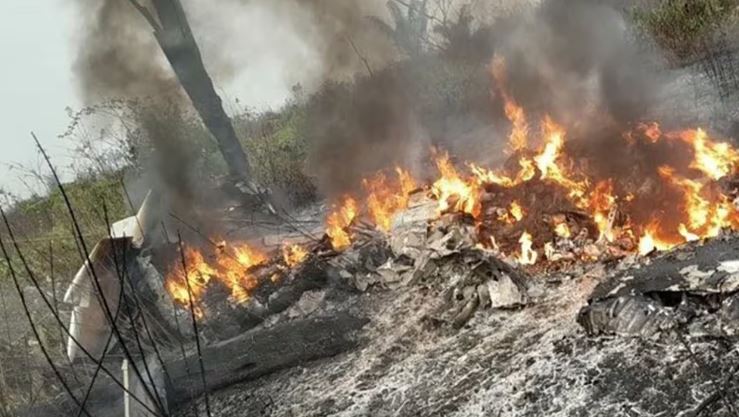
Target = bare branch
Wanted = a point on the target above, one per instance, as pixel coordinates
(361, 57)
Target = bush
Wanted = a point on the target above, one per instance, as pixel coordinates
(277, 148)
(683, 26)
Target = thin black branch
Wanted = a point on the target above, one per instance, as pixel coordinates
(194, 325)
(91, 268)
(174, 306)
(27, 312)
(60, 323)
(126, 278)
(361, 57)
(99, 365)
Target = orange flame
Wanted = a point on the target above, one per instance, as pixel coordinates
(452, 191)
(385, 198)
(234, 261)
(602, 203)
(199, 274)
(715, 160)
(294, 255)
(519, 133)
(562, 230)
(230, 267)
(649, 241)
(516, 211)
(548, 160)
(338, 221)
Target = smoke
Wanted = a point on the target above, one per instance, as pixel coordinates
(572, 59)
(361, 128)
(246, 44)
(117, 55)
(576, 60)
(255, 50)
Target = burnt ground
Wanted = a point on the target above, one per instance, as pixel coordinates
(534, 361)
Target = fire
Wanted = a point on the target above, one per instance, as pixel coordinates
(199, 274)
(516, 211)
(646, 243)
(453, 192)
(689, 237)
(716, 160)
(518, 139)
(407, 183)
(528, 255)
(385, 198)
(649, 241)
(339, 220)
(602, 203)
(647, 207)
(689, 203)
(549, 160)
(230, 267)
(234, 262)
(705, 218)
(562, 230)
(294, 255)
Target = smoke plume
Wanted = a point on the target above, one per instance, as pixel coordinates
(261, 47)
(302, 41)
(117, 54)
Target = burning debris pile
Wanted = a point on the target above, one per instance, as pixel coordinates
(555, 202)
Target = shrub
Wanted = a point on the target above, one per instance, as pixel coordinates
(683, 26)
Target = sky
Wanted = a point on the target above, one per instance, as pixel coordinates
(37, 83)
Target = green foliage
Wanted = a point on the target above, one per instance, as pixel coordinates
(681, 26)
(277, 149)
(44, 232)
(43, 222)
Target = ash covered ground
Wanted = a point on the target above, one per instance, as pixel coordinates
(530, 361)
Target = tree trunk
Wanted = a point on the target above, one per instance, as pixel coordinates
(174, 36)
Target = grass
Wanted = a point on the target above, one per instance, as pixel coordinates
(448, 84)
(683, 27)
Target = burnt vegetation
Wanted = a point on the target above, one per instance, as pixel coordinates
(376, 107)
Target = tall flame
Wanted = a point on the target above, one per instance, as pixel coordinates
(602, 203)
(453, 191)
(385, 197)
(518, 138)
(199, 274)
(339, 220)
(548, 161)
(716, 160)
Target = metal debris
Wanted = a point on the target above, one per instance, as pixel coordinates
(695, 288)
(425, 249)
